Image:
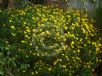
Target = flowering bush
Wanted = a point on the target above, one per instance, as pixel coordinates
(45, 41)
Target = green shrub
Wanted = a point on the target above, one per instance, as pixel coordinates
(47, 41)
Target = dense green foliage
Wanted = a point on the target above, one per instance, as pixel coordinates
(47, 41)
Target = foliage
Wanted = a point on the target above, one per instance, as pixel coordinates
(98, 18)
(47, 41)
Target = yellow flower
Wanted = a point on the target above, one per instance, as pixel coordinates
(70, 66)
(10, 20)
(32, 73)
(38, 54)
(74, 51)
(97, 49)
(64, 47)
(28, 30)
(13, 34)
(78, 51)
(49, 69)
(57, 34)
(26, 35)
(24, 71)
(24, 23)
(72, 43)
(13, 58)
(34, 53)
(12, 27)
(77, 58)
(63, 66)
(23, 41)
(30, 44)
(48, 33)
(6, 41)
(100, 44)
(55, 62)
(88, 66)
(83, 30)
(27, 56)
(34, 30)
(72, 35)
(94, 43)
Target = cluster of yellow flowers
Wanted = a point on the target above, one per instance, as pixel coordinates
(58, 42)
